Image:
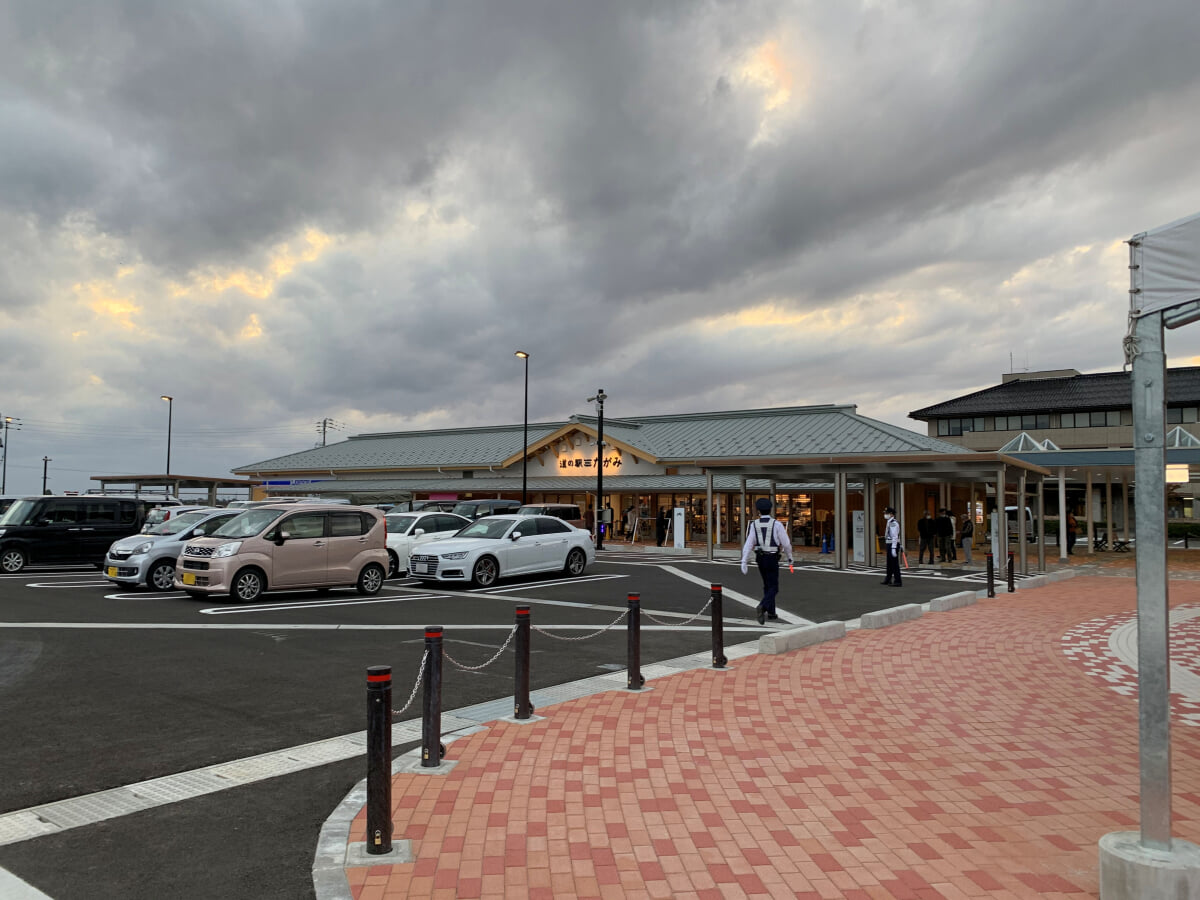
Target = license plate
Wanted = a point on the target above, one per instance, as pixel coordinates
(111, 571)
(189, 578)
(424, 569)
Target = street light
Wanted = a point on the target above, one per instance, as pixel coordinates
(521, 354)
(16, 426)
(170, 410)
(599, 401)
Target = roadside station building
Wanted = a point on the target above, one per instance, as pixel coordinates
(819, 464)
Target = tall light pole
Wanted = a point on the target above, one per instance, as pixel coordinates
(170, 411)
(599, 401)
(521, 354)
(8, 420)
(45, 469)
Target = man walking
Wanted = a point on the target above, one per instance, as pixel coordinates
(944, 529)
(891, 547)
(768, 540)
(925, 537)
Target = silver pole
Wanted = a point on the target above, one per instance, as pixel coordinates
(1022, 525)
(708, 519)
(1062, 513)
(1150, 460)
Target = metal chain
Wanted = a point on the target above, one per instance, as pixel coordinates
(511, 635)
(584, 637)
(685, 621)
(416, 687)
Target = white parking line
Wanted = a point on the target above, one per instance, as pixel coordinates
(314, 604)
(68, 584)
(542, 584)
(784, 615)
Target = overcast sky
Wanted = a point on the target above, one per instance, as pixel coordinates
(283, 211)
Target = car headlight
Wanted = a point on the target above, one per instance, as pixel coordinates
(228, 549)
(141, 548)
(2, 530)
(461, 554)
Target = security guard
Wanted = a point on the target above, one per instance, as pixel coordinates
(891, 546)
(767, 540)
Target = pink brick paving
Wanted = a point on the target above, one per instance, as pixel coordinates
(961, 755)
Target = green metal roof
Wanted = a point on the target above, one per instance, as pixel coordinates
(782, 432)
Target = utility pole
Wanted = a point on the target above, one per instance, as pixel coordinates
(324, 425)
(599, 401)
(45, 465)
(15, 424)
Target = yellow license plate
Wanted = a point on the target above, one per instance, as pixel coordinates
(189, 578)
(112, 571)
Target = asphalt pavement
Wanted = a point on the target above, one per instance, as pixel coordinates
(105, 687)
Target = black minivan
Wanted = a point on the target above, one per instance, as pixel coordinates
(66, 529)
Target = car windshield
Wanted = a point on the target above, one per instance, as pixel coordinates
(465, 509)
(20, 513)
(487, 528)
(399, 524)
(248, 524)
(531, 510)
(179, 523)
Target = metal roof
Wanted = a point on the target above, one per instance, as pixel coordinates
(783, 432)
(1099, 391)
(617, 484)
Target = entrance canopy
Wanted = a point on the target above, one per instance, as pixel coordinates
(959, 467)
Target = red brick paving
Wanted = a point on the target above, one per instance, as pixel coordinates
(962, 755)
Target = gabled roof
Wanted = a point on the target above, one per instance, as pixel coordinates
(1099, 391)
(1023, 443)
(783, 432)
(1177, 437)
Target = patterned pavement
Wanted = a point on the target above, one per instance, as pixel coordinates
(977, 753)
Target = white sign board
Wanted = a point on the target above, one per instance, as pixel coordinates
(1168, 260)
(860, 535)
(679, 526)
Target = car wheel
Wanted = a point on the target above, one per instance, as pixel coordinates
(393, 564)
(486, 571)
(248, 585)
(161, 576)
(576, 562)
(370, 579)
(12, 560)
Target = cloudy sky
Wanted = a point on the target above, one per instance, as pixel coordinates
(279, 211)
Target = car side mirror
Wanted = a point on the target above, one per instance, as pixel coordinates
(281, 536)
(418, 531)
(42, 523)
(515, 535)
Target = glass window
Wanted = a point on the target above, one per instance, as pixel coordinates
(347, 524)
(955, 427)
(1043, 421)
(66, 512)
(977, 424)
(1028, 423)
(1189, 415)
(128, 512)
(212, 524)
(399, 524)
(552, 526)
(1112, 417)
(304, 525)
(1096, 419)
(943, 428)
(1068, 420)
(102, 512)
(1174, 415)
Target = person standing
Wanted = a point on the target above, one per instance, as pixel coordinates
(944, 529)
(891, 547)
(768, 541)
(968, 536)
(953, 535)
(1072, 529)
(660, 526)
(926, 537)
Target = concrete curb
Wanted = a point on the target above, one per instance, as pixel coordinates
(884, 617)
(804, 636)
(954, 601)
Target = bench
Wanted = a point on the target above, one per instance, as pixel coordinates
(1120, 546)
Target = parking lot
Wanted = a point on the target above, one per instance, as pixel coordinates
(108, 688)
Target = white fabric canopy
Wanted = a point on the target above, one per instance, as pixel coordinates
(1168, 260)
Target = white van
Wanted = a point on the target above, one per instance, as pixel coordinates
(1010, 512)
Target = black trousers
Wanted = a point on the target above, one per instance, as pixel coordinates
(768, 568)
(893, 565)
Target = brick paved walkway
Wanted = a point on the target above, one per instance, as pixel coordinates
(966, 754)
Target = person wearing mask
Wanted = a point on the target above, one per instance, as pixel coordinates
(768, 541)
(891, 547)
(926, 537)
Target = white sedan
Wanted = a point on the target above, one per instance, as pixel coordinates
(408, 530)
(497, 546)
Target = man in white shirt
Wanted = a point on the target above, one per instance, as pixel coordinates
(768, 540)
(891, 547)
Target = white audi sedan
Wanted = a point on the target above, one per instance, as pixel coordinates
(406, 531)
(497, 546)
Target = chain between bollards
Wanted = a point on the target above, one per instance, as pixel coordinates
(1012, 574)
(379, 759)
(991, 575)
(718, 629)
(523, 709)
(431, 718)
(634, 643)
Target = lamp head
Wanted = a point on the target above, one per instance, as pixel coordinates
(522, 354)
(166, 397)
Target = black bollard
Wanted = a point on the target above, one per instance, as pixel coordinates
(1012, 573)
(431, 719)
(523, 708)
(634, 643)
(379, 759)
(718, 629)
(991, 578)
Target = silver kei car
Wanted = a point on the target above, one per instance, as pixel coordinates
(149, 559)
